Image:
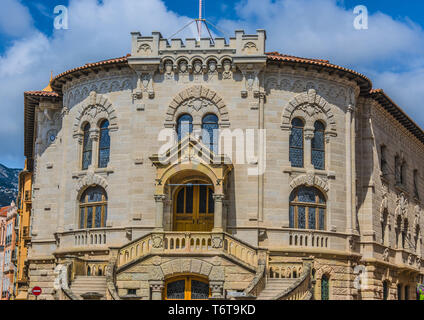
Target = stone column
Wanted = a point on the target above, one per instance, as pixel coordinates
(307, 148)
(159, 198)
(94, 136)
(217, 226)
(156, 287)
(349, 218)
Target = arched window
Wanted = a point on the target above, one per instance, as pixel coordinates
(87, 148)
(184, 126)
(385, 290)
(93, 208)
(307, 209)
(325, 288)
(399, 291)
(318, 146)
(104, 144)
(210, 134)
(296, 143)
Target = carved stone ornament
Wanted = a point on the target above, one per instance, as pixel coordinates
(402, 206)
(216, 242)
(183, 67)
(197, 67)
(145, 49)
(386, 254)
(212, 66)
(157, 242)
(227, 73)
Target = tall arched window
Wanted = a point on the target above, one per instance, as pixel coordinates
(318, 146)
(210, 134)
(325, 288)
(93, 208)
(296, 143)
(307, 209)
(385, 290)
(87, 148)
(184, 126)
(104, 144)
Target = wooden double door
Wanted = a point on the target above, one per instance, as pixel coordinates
(194, 208)
(187, 288)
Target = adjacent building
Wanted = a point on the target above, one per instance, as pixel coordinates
(213, 169)
(8, 258)
(3, 216)
(24, 214)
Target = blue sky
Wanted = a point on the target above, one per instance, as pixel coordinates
(390, 52)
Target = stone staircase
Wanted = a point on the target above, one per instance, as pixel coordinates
(89, 287)
(274, 287)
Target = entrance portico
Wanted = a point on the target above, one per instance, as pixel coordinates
(194, 180)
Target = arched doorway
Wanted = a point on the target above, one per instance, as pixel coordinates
(194, 207)
(187, 288)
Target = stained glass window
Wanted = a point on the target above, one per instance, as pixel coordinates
(307, 209)
(104, 144)
(325, 288)
(296, 143)
(87, 148)
(184, 126)
(93, 208)
(199, 290)
(318, 146)
(210, 133)
(176, 290)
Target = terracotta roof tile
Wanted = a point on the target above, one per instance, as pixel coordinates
(42, 93)
(3, 211)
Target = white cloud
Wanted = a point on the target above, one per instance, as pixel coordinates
(101, 30)
(15, 19)
(324, 29)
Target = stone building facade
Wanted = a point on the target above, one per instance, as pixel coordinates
(130, 200)
(8, 258)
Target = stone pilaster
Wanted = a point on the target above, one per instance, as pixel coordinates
(218, 226)
(159, 198)
(156, 289)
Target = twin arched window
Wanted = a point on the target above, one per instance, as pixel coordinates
(104, 146)
(93, 208)
(296, 153)
(210, 134)
(296, 143)
(184, 126)
(307, 209)
(210, 126)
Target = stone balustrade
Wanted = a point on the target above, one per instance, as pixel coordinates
(284, 270)
(188, 242)
(309, 239)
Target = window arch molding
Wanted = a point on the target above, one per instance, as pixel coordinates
(94, 111)
(308, 209)
(311, 107)
(197, 101)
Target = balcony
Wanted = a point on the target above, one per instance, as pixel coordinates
(27, 196)
(83, 240)
(189, 243)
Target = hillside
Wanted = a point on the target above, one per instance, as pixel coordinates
(8, 185)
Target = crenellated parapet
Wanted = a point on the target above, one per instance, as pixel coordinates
(244, 53)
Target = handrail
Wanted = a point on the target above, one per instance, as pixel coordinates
(188, 242)
(110, 280)
(258, 283)
(300, 289)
